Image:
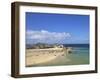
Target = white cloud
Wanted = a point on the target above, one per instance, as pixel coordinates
(46, 36)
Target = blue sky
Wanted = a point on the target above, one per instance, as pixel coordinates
(57, 28)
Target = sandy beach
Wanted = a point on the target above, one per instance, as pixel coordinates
(38, 56)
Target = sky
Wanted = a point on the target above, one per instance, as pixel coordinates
(57, 28)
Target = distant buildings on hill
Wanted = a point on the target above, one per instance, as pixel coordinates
(43, 46)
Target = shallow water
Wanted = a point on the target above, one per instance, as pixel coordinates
(79, 55)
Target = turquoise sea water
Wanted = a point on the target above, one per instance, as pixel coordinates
(79, 56)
